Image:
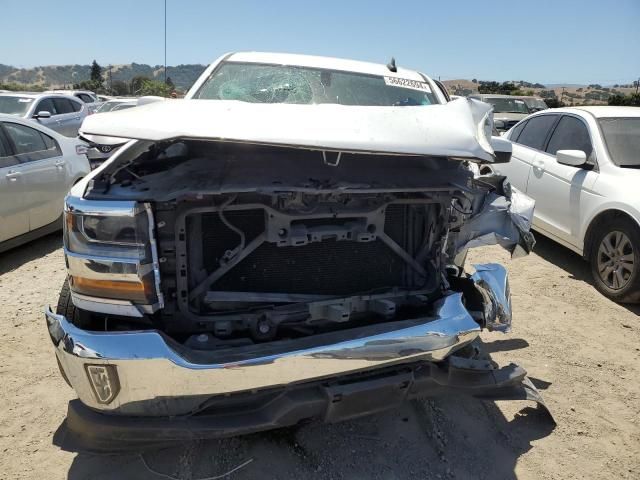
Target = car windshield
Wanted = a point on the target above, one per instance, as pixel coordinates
(262, 83)
(15, 105)
(622, 137)
(535, 104)
(123, 106)
(108, 106)
(507, 105)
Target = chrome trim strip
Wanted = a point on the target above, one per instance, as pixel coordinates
(492, 281)
(106, 268)
(154, 254)
(110, 208)
(158, 380)
(108, 306)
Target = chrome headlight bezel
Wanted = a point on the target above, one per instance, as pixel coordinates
(115, 230)
(110, 251)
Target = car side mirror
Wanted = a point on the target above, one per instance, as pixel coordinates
(573, 158)
(42, 114)
(502, 149)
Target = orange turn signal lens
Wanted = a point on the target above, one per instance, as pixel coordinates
(135, 291)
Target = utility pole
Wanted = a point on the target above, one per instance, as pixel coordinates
(165, 42)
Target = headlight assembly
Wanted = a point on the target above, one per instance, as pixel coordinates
(105, 235)
(109, 250)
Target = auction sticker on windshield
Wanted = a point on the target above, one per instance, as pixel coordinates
(406, 83)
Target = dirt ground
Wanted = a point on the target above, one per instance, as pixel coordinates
(581, 350)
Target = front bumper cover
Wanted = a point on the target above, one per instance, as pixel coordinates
(86, 430)
(158, 377)
(143, 381)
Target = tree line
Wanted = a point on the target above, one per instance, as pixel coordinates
(139, 85)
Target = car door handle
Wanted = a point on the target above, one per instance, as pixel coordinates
(60, 163)
(13, 176)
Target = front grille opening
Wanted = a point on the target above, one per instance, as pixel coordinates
(331, 267)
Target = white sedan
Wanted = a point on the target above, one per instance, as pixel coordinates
(582, 167)
(37, 168)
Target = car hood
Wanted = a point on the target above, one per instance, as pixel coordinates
(454, 129)
(509, 116)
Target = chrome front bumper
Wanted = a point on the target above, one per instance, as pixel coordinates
(145, 373)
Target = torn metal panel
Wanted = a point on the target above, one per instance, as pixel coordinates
(504, 220)
(492, 281)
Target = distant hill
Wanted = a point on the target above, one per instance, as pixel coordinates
(59, 76)
(573, 94)
(183, 76)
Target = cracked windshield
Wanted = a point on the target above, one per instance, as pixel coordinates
(256, 83)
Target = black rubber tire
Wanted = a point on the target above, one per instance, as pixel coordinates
(66, 308)
(631, 291)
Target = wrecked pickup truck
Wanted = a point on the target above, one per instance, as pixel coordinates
(285, 244)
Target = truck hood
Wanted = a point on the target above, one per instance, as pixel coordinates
(454, 129)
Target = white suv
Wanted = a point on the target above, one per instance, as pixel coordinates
(61, 113)
(582, 166)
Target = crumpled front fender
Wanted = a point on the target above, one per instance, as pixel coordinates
(492, 281)
(503, 219)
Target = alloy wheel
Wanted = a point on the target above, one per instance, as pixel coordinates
(616, 262)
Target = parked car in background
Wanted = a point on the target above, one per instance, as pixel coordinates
(101, 147)
(582, 166)
(87, 96)
(286, 244)
(37, 168)
(117, 104)
(534, 104)
(507, 110)
(62, 113)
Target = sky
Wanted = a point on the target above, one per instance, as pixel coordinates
(547, 41)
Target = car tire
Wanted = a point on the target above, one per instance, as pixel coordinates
(67, 309)
(615, 260)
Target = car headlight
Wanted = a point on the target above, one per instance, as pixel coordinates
(109, 250)
(107, 236)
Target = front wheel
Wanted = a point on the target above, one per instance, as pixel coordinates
(615, 260)
(66, 308)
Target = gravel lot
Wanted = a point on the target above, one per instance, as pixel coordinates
(582, 351)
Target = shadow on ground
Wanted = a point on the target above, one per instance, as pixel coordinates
(572, 263)
(16, 257)
(458, 438)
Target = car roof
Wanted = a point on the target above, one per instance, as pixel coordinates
(600, 111)
(38, 95)
(597, 111)
(70, 92)
(329, 63)
(20, 94)
(492, 95)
